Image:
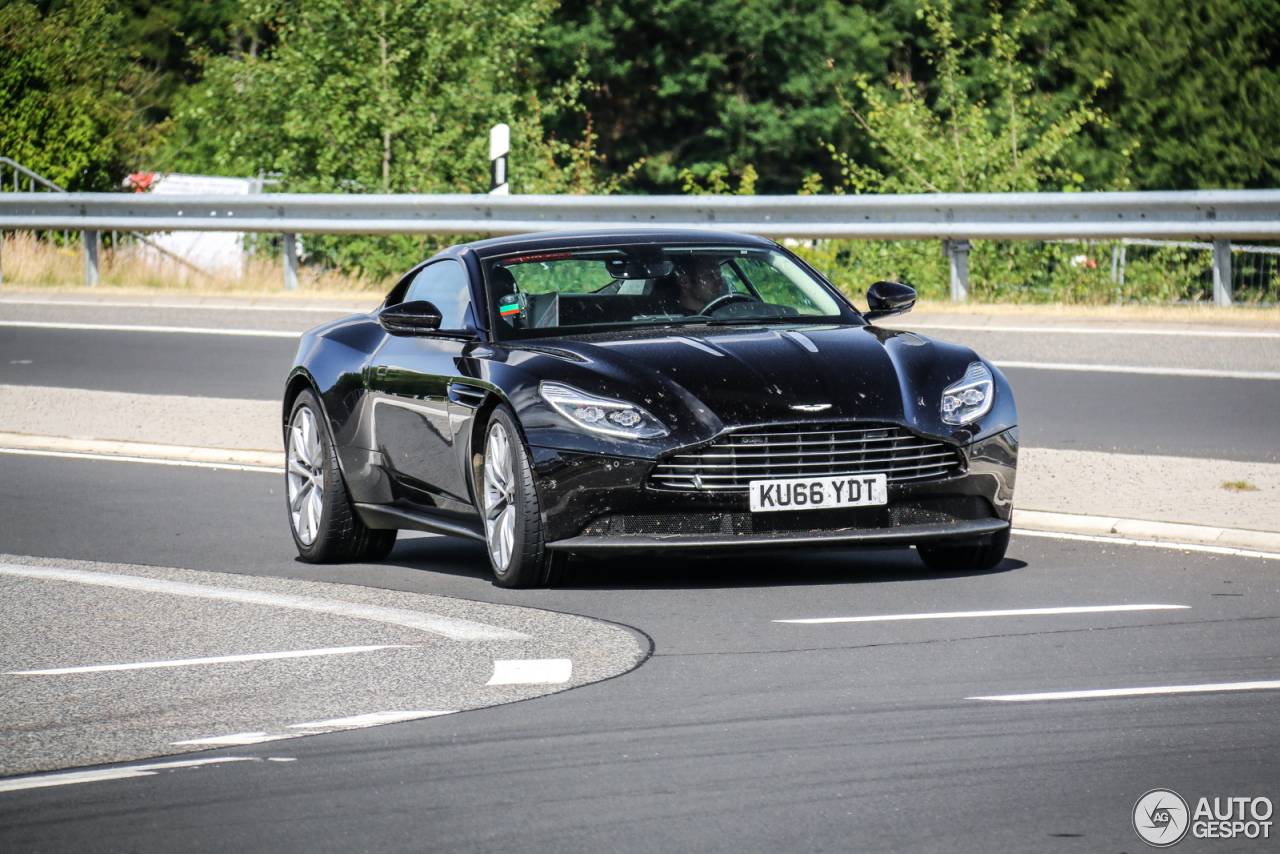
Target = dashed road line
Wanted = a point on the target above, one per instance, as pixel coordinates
(532, 671)
(239, 739)
(1151, 544)
(1084, 330)
(1017, 612)
(374, 719)
(337, 311)
(69, 778)
(1134, 369)
(450, 627)
(1134, 692)
(120, 327)
(221, 659)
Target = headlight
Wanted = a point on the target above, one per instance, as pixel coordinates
(601, 414)
(970, 398)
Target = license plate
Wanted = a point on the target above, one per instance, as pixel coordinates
(817, 493)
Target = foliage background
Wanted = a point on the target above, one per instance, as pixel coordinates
(663, 96)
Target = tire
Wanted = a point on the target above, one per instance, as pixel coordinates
(942, 557)
(509, 506)
(323, 521)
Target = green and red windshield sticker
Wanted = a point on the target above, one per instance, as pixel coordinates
(508, 305)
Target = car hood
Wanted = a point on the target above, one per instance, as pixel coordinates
(735, 377)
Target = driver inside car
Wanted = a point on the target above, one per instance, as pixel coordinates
(700, 282)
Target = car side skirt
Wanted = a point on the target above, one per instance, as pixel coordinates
(384, 517)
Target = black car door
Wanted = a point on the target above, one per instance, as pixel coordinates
(420, 432)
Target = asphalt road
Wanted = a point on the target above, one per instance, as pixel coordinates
(1215, 417)
(739, 733)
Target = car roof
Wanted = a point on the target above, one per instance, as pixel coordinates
(606, 237)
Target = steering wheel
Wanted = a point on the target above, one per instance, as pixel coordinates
(725, 300)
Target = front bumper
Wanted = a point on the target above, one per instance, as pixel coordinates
(603, 505)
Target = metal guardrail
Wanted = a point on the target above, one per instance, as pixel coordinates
(956, 218)
(1218, 214)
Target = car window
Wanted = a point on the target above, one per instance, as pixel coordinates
(609, 287)
(444, 285)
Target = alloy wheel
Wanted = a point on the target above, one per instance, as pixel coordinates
(305, 475)
(499, 498)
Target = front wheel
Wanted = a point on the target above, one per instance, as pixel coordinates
(512, 517)
(945, 557)
(322, 519)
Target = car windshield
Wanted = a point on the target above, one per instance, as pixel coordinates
(609, 288)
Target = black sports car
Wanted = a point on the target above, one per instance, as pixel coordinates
(598, 393)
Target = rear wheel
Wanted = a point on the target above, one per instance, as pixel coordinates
(512, 517)
(322, 519)
(965, 557)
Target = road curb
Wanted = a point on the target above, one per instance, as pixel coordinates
(1029, 520)
(141, 450)
(1141, 529)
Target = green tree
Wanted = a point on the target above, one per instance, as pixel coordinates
(980, 125)
(366, 95)
(67, 107)
(380, 96)
(1197, 85)
(708, 85)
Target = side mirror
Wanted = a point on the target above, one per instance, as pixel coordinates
(410, 318)
(885, 299)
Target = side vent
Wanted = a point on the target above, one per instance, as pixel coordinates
(467, 395)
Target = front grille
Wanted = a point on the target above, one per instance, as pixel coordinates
(739, 458)
(922, 511)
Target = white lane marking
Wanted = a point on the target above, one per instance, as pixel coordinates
(121, 458)
(68, 778)
(56, 302)
(1151, 544)
(281, 759)
(1134, 692)
(1018, 612)
(1133, 369)
(531, 671)
(119, 327)
(1080, 330)
(374, 719)
(221, 659)
(450, 627)
(239, 739)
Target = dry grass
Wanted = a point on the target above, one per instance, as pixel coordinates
(28, 263)
(1239, 486)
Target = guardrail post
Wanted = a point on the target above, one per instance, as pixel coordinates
(290, 251)
(89, 239)
(958, 252)
(1222, 272)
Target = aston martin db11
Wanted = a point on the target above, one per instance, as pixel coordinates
(600, 393)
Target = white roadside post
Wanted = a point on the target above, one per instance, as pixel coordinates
(289, 249)
(1222, 272)
(89, 239)
(958, 252)
(499, 147)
